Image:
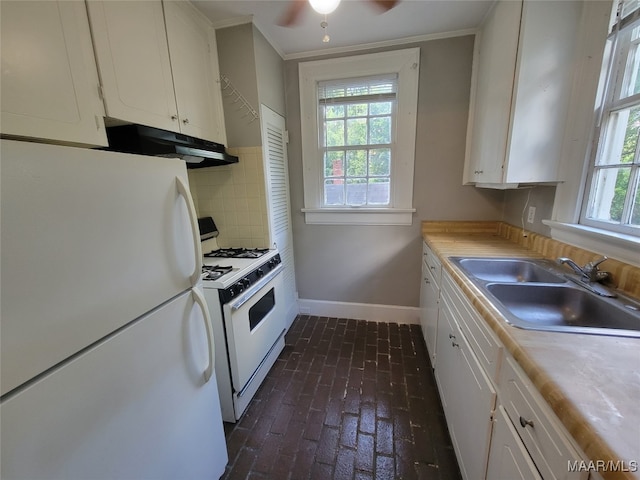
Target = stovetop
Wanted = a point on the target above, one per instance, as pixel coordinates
(237, 252)
(222, 272)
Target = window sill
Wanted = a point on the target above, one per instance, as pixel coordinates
(358, 216)
(615, 245)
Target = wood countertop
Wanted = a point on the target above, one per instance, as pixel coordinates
(591, 382)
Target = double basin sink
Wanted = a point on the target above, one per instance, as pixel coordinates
(536, 294)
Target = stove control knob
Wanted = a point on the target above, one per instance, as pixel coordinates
(232, 292)
(260, 273)
(245, 282)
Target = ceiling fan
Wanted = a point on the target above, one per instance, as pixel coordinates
(296, 7)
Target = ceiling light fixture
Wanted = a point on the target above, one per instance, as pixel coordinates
(324, 7)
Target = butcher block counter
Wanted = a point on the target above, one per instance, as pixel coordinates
(591, 382)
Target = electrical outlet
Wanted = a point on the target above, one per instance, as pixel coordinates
(532, 214)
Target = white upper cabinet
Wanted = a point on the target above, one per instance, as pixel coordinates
(194, 61)
(50, 88)
(523, 72)
(158, 66)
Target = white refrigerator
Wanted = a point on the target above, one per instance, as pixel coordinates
(106, 344)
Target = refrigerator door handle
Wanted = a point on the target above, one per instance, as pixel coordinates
(199, 299)
(183, 190)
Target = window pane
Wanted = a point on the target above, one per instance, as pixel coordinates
(334, 192)
(608, 194)
(356, 163)
(334, 164)
(334, 133)
(631, 78)
(334, 111)
(379, 130)
(380, 108)
(380, 162)
(379, 191)
(357, 131)
(621, 138)
(357, 110)
(356, 191)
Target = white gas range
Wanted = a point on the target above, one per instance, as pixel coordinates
(243, 288)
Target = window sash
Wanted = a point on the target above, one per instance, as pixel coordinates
(607, 171)
(342, 186)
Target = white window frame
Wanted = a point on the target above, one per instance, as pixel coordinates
(579, 142)
(406, 64)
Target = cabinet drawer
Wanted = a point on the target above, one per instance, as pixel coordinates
(483, 341)
(544, 437)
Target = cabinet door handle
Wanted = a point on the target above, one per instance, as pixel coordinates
(524, 422)
(478, 172)
(174, 117)
(426, 280)
(452, 336)
(185, 121)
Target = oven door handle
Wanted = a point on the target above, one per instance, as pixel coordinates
(255, 287)
(199, 299)
(195, 229)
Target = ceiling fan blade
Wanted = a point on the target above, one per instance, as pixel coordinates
(385, 4)
(292, 15)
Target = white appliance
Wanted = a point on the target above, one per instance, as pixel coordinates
(106, 342)
(245, 293)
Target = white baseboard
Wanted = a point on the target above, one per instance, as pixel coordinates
(360, 311)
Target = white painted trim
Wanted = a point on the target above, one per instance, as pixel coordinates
(382, 44)
(625, 248)
(406, 63)
(360, 311)
(358, 216)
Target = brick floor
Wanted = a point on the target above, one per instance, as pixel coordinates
(346, 399)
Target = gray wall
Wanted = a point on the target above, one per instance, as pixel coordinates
(237, 61)
(256, 71)
(381, 265)
(517, 203)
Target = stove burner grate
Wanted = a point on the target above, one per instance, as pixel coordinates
(237, 252)
(213, 272)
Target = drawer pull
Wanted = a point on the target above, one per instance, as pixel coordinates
(452, 336)
(524, 422)
(426, 280)
(454, 344)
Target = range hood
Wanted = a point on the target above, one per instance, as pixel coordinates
(145, 140)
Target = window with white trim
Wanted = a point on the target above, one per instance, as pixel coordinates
(613, 200)
(358, 120)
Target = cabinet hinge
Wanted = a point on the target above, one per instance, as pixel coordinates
(100, 92)
(286, 136)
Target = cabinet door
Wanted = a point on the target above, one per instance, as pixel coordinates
(546, 56)
(467, 396)
(429, 294)
(49, 78)
(495, 63)
(133, 59)
(508, 459)
(195, 73)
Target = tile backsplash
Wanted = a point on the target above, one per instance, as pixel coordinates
(234, 195)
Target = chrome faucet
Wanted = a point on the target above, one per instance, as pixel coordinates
(590, 271)
(590, 276)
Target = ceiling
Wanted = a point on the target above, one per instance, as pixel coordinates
(355, 23)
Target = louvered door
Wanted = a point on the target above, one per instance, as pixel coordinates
(278, 204)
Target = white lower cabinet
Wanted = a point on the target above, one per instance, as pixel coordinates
(500, 426)
(468, 397)
(508, 458)
(430, 301)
